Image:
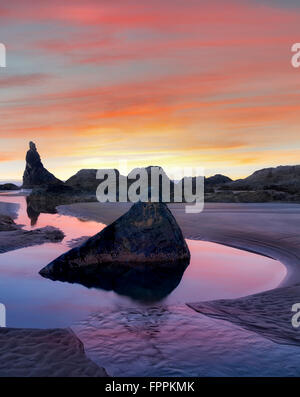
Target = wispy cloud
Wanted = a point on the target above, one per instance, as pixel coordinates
(190, 80)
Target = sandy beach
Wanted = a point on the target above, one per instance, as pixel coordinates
(44, 353)
(263, 319)
(268, 229)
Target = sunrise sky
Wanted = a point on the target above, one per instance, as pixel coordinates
(155, 82)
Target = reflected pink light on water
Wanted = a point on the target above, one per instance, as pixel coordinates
(215, 272)
(71, 226)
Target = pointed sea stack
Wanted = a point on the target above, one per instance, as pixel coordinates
(146, 237)
(35, 174)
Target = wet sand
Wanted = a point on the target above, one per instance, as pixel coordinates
(177, 341)
(268, 313)
(268, 229)
(44, 353)
(37, 352)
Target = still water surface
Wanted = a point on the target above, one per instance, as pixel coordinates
(32, 301)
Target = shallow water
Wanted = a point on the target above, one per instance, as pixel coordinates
(215, 272)
(177, 341)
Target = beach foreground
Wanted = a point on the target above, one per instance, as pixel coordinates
(44, 353)
(13, 236)
(268, 229)
(260, 323)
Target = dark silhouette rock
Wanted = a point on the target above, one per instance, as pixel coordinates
(160, 186)
(9, 186)
(146, 238)
(84, 180)
(216, 180)
(35, 174)
(13, 237)
(7, 224)
(282, 178)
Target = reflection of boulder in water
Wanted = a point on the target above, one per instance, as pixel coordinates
(142, 283)
(142, 250)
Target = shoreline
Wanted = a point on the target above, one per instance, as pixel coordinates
(13, 236)
(271, 230)
(19, 238)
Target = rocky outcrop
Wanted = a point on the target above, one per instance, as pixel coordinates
(13, 237)
(162, 187)
(84, 180)
(35, 174)
(282, 178)
(7, 223)
(212, 183)
(9, 186)
(146, 237)
(217, 180)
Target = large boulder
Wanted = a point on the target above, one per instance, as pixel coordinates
(146, 237)
(35, 174)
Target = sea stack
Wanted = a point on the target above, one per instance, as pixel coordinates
(146, 237)
(35, 174)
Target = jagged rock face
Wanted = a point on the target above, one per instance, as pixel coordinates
(35, 174)
(146, 236)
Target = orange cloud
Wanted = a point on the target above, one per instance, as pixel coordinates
(176, 81)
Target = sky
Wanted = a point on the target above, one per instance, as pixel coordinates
(176, 83)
